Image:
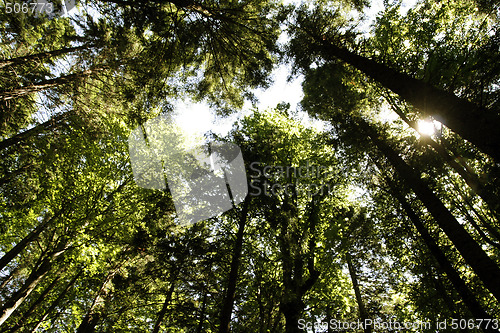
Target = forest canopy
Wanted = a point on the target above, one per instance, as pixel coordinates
(384, 218)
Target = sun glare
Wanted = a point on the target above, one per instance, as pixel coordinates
(426, 127)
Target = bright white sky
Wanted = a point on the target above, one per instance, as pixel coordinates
(197, 119)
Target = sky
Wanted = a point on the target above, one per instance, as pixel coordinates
(197, 118)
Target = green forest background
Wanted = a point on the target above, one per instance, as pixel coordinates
(84, 249)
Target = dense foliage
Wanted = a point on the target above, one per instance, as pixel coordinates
(367, 219)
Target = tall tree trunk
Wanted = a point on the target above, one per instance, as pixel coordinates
(40, 56)
(33, 235)
(227, 306)
(92, 317)
(46, 84)
(363, 314)
(441, 290)
(294, 283)
(470, 178)
(14, 273)
(55, 121)
(35, 305)
(473, 123)
(467, 296)
(485, 268)
(199, 329)
(30, 284)
(164, 308)
(57, 301)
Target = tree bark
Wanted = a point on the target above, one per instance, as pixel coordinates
(470, 178)
(40, 56)
(227, 306)
(15, 272)
(92, 317)
(473, 123)
(294, 284)
(35, 305)
(363, 314)
(485, 268)
(199, 329)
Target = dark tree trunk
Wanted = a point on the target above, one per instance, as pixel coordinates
(46, 84)
(467, 296)
(486, 269)
(35, 305)
(199, 329)
(19, 247)
(30, 284)
(93, 315)
(227, 306)
(57, 301)
(441, 290)
(164, 308)
(48, 125)
(294, 283)
(473, 123)
(469, 177)
(363, 314)
(40, 56)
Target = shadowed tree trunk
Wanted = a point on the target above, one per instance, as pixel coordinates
(467, 175)
(37, 129)
(40, 56)
(473, 123)
(13, 302)
(363, 314)
(485, 268)
(295, 283)
(164, 308)
(33, 235)
(94, 314)
(467, 296)
(57, 301)
(201, 321)
(35, 305)
(227, 306)
(47, 84)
